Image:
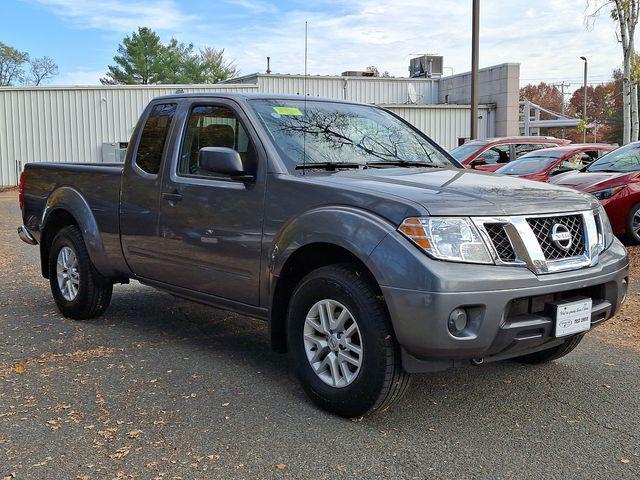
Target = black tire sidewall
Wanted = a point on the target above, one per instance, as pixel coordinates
(362, 394)
(631, 235)
(66, 238)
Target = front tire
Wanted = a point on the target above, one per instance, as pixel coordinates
(633, 225)
(79, 291)
(551, 354)
(341, 343)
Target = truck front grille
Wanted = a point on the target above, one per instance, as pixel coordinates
(500, 241)
(541, 242)
(542, 226)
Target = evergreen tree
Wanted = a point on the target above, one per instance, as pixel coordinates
(142, 59)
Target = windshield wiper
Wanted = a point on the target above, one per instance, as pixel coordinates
(328, 165)
(401, 163)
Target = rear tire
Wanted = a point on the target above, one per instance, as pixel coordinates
(633, 225)
(80, 292)
(551, 354)
(334, 382)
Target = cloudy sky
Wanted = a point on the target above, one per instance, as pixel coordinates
(546, 37)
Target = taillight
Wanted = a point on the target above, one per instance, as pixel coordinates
(21, 191)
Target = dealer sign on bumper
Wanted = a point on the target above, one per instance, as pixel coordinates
(573, 317)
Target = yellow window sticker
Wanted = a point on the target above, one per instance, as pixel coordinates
(287, 111)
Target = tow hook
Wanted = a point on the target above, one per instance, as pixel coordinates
(477, 361)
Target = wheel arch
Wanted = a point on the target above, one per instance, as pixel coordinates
(320, 237)
(66, 206)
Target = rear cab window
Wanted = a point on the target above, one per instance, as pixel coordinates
(154, 137)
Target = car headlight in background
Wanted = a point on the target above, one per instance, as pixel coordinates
(605, 228)
(607, 192)
(447, 238)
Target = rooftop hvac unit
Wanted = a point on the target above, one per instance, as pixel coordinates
(114, 152)
(357, 73)
(428, 66)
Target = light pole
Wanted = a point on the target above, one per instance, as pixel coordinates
(584, 106)
(475, 40)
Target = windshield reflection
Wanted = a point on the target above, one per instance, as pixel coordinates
(335, 133)
(624, 159)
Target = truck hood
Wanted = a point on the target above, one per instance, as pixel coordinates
(465, 192)
(590, 182)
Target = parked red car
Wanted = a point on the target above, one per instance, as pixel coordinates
(615, 180)
(492, 153)
(543, 164)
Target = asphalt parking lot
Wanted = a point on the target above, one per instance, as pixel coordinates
(162, 388)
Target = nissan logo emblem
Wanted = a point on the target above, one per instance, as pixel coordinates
(561, 236)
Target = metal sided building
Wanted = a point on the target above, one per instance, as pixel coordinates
(93, 123)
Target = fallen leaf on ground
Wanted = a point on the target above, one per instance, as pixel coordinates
(624, 460)
(20, 368)
(134, 433)
(53, 424)
(281, 466)
(120, 453)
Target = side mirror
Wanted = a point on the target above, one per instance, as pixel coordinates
(477, 162)
(559, 171)
(224, 161)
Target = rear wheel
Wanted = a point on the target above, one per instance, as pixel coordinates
(341, 343)
(79, 291)
(551, 353)
(633, 225)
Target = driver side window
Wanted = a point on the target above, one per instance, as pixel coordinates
(213, 126)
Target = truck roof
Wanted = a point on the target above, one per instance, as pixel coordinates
(250, 96)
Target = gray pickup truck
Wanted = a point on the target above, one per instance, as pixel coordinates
(368, 249)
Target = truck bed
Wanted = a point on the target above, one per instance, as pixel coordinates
(99, 186)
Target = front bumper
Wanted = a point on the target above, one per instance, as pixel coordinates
(508, 320)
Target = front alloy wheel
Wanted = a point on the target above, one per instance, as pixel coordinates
(332, 343)
(341, 342)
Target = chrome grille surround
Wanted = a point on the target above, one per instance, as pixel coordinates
(526, 245)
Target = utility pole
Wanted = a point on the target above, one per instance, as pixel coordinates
(584, 107)
(563, 105)
(475, 40)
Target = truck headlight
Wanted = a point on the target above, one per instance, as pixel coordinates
(447, 238)
(606, 232)
(607, 192)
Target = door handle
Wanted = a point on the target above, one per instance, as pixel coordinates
(172, 197)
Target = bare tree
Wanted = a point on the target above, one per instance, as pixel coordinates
(42, 69)
(625, 13)
(215, 67)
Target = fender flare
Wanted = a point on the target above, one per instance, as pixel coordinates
(356, 230)
(71, 200)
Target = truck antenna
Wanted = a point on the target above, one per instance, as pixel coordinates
(304, 92)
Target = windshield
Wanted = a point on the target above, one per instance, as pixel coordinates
(624, 159)
(343, 134)
(463, 152)
(530, 163)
